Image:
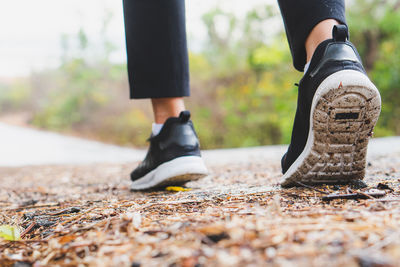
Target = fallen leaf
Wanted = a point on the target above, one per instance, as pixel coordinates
(10, 233)
(177, 189)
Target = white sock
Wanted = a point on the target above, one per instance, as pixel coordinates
(306, 66)
(156, 128)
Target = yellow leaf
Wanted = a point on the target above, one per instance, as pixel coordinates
(10, 233)
(177, 189)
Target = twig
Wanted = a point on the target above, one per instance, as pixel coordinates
(78, 217)
(358, 195)
(368, 196)
(32, 241)
(386, 200)
(28, 229)
(33, 207)
(48, 258)
(65, 211)
(107, 225)
(311, 187)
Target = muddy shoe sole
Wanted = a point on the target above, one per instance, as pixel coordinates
(344, 111)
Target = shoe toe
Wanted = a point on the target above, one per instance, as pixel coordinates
(137, 173)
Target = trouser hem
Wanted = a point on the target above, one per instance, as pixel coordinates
(149, 89)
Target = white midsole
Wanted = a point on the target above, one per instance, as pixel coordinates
(347, 78)
(176, 167)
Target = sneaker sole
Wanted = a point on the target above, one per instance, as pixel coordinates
(175, 172)
(344, 111)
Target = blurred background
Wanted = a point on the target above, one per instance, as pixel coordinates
(63, 69)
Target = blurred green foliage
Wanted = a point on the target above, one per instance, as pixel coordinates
(376, 28)
(243, 91)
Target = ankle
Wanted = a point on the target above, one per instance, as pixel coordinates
(321, 32)
(165, 108)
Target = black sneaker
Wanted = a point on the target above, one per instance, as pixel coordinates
(173, 157)
(337, 109)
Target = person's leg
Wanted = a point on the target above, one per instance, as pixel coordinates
(158, 69)
(321, 32)
(301, 18)
(156, 47)
(338, 106)
(157, 54)
(165, 108)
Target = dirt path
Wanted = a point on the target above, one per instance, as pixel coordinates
(238, 216)
(22, 146)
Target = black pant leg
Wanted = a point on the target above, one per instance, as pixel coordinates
(156, 47)
(301, 16)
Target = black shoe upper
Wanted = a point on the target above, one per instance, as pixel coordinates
(177, 138)
(331, 56)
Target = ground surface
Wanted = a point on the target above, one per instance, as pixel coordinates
(237, 216)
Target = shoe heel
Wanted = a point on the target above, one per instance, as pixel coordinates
(344, 112)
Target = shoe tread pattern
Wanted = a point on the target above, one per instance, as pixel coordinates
(343, 121)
